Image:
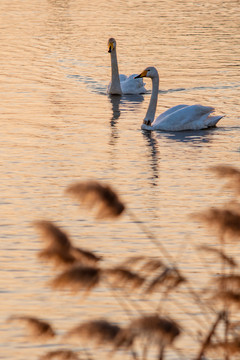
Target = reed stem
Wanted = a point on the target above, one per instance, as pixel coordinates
(207, 340)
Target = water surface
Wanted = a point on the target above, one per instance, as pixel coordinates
(58, 126)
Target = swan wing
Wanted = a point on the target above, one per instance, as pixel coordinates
(122, 77)
(170, 111)
(130, 85)
(184, 117)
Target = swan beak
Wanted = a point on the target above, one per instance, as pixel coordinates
(110, 47)
(143, 74)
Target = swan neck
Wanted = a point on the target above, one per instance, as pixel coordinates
(115, 81)
(153, 101)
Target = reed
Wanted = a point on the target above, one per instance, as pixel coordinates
(137, 280)
(60, 355)
(100, 332)
(221, 255)
(38, 328)
(169, 279)
(231, 174)
(77, 278)
(225, 221)
(59, 248)
(98, 196)
(122, 277)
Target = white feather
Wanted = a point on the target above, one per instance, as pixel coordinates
(179, 117)
(121, 84)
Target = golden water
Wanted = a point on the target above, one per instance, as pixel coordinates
(58, 125)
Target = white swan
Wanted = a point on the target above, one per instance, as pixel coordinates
(179, 117)
(121, 84)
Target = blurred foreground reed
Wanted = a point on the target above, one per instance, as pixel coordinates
(216, 334)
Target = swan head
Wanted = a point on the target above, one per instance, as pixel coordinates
(150, 72)
(111, 45)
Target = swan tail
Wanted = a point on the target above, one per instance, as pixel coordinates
(133, 86)
(211, 121)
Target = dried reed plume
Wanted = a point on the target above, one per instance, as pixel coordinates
(228, 282)
(53, 235)
(124, 339)
(225, 220)
(85, 256)
(221, 254)
(133, 260)
(156, 328)
(225, 171)
(99, 196)
(228, 298)
(78, 278)
(170, 278)
(231, 173)
(122, 277)
(144, 263)
(60, 355)
(59, 247)
(38, 328)
(99, 331)
(59, 258)
(232, 347)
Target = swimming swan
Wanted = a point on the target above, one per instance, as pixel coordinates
(121, 84)
(179, 117)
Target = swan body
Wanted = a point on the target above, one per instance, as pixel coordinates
(179, 117)
(121, 84)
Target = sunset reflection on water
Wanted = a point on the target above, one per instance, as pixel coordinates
(58, 126)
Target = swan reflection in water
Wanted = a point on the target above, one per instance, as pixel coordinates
(121, 103)
(153, 144)
(154, 140)
(127, 102)
(188, 136)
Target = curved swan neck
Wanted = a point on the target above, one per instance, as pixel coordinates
(115, 81)
(153, 101)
